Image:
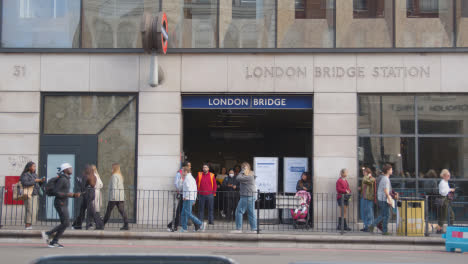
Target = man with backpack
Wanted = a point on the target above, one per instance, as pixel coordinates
(60, 188)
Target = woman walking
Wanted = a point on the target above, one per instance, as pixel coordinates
(116, 196)
(248, 193)
(97, 188)
(30, 182)
(446, 194)
(343, 195)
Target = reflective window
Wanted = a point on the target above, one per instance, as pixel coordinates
(464, 8)
(247, 23)
(192, 23)
(422, 8)
(368, 8)
(114, 23)
(306, 24)
(386, 114)
(443, 114)
(310, 9)
(40, 23)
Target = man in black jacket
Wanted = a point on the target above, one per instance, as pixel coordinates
(231, 186)
(62, 193)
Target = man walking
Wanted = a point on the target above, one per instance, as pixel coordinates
(62, 193)
(189, 192)
(172, 226)
(206, 183)
(383, 196)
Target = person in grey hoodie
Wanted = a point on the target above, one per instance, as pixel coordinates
(248, 195)
(29, 178)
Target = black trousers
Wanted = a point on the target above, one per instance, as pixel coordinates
(230, 203)
(62, 211)
(178, 212)
(120, 206)
(87, 205)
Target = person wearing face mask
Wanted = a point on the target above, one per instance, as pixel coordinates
(231, 186)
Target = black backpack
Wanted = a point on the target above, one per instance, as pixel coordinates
(50, 186)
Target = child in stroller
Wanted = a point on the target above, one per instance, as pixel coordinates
(300, 215)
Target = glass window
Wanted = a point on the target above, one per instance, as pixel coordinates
(368, 8)
(386, 114)
(307, 24)
(247, 24)
(422, 8)
(40, 24)
(443, 114)
(464, 8)
(192, 23)
(310, 9)
(444, 153)
(375, 152)
(114, 23)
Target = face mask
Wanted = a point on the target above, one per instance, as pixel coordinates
(231, 175)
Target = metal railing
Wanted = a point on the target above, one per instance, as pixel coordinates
(155, 210)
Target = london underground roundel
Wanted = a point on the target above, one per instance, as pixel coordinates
(164, 29)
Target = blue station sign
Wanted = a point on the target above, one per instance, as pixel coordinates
(246, 102)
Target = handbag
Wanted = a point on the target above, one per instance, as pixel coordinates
(21, 193)
(347, 196)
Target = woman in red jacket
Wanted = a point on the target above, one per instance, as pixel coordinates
(342, 189)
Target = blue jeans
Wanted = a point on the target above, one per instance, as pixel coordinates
(187, 213)
(246, 203)
(384, 212)
(367, 208)
(206, 199)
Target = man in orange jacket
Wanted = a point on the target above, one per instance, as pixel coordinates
(206, 184)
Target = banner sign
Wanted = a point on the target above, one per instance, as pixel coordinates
(246, 102)
(266, 170)
(293, 169)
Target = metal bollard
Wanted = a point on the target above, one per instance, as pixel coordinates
(258, 213)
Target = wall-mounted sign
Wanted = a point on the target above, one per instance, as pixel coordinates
(246, 102)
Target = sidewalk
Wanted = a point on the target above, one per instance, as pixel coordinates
(216, 236)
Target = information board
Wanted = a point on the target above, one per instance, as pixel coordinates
(246, 102)
(293, 169)
(266, 170)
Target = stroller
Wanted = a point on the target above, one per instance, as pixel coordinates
(300, 215)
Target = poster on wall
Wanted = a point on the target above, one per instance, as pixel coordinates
(266, 170)
(293, 169)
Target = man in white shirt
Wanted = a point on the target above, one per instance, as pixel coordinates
(446, 203)
(189, 192)
(383, 196)
(172, 226)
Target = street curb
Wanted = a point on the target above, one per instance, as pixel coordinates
(291, 238)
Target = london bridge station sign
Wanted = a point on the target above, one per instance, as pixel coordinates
(264, 72)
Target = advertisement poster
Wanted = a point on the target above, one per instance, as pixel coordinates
(293, 169)
(266, 169)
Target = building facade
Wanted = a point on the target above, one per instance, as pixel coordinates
(387, 81)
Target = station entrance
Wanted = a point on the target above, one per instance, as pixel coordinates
(225, 135)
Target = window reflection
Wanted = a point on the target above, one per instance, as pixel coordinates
(310, 9)
(40, 23)
(422, 8)
(368, 8)
(443, 114)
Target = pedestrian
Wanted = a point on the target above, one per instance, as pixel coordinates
(221, 192)
(248, 195)
(81, 185)
(117, 196)
(384, 198)
(97, 190)
(304, 183)
(206, 183)
(62, 193)
(173, 225)
(188, 186)
(343, 196)
(231, 187)
(367, 199)
(446, 196)
(30, 182)
(89, 183)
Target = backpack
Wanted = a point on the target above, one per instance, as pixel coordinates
(49, 188)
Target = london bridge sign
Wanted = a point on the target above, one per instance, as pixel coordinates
(264, 72)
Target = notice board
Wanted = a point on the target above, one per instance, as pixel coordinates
(9, 182)
(266, 170)
(293, 169)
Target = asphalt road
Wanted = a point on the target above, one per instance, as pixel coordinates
(25, 250)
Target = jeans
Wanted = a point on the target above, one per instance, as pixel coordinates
(206, 199)
(384, 212)
(187, 213)
(246, 203)
(87, 204)
(367, 209)
(62, 211)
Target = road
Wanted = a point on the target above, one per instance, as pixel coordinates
(25, 250)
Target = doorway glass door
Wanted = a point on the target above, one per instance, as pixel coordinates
(53, 163)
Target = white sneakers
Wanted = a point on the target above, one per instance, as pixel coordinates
(236, 231)
(29, 228)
